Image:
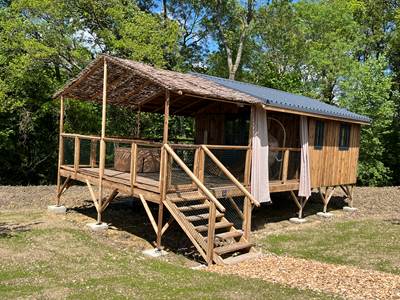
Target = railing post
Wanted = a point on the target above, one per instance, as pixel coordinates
(211, 233)
(133, 165)
(77, 150)
(198, 168)
(285, 165)
(93, 149)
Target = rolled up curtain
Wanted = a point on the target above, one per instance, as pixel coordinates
(305, 181)
(259, 163)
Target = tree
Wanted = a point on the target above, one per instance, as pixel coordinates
(43, 43)
(231, 25)
(367, 91)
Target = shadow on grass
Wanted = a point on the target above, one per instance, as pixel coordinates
(283, 208)
(127, 214)
(7, 230)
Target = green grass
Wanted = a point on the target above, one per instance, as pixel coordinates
(370, 244)
(71, 263)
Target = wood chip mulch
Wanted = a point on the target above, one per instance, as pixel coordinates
(346, 281)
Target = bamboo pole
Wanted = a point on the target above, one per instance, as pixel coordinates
(285, 165)
(102, 142)
(247, 207)
(60, 149)
(164, 170)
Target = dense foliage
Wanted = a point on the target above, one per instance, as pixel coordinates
(343, 52)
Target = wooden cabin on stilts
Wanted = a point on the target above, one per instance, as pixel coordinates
(249, 141)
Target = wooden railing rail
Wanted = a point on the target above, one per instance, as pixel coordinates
(230, 176)
(200, 185)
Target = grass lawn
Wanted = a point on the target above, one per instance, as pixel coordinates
(53, 262)
(370, 244)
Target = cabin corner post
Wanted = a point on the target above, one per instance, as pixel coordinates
(163, 171)
(247, 209)
(102, 142)
(60, 149)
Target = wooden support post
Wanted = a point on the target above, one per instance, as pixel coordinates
(164, 170)
(102, 142)
(200, 164)
(77, 150)
(285, 165)
(247, 208)
(138, 117)
(211, 233)
(93, 150)
(60, 149)
(133, 166)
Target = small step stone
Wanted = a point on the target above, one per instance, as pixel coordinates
(97, 227)
(297, 220)
(349, 209)
(324, 214)
(57, 209)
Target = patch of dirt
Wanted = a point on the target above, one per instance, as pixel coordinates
(371, 202)
(346, 281)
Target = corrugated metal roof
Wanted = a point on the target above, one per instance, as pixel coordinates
(281, 99)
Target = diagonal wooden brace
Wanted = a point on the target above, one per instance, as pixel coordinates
(96, 203)
(300, 202)
(326, 197)
(149, 214)
(67, 183)
(109, 199)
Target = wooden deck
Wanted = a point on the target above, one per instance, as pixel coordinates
(148, 183)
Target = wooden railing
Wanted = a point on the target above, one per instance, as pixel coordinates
(198, 183)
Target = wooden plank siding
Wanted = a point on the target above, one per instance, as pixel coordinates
(330, 166)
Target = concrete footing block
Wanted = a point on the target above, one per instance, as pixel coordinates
(324, 214)
(98, 227)
(349, 209)
(57, 209)
(154, 252)
(297, 220)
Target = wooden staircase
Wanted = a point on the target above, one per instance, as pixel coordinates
(216, 239)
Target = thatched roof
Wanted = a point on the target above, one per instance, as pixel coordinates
(136, 84)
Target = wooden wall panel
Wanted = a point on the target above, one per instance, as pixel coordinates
(330, 166)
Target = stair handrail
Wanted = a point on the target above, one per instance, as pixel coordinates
(230, 176)
(201, 186)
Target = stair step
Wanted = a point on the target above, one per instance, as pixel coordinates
(229, 234)
(232, 248)
(193, 207)
(187, 196)
(202, 217)
(218, 225)
(242, 257)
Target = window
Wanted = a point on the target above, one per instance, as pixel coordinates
(319, 135)
(344, 137)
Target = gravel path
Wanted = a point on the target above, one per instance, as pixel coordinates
(348, 282)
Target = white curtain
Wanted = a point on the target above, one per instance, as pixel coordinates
(259, 163)
(305, 182)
